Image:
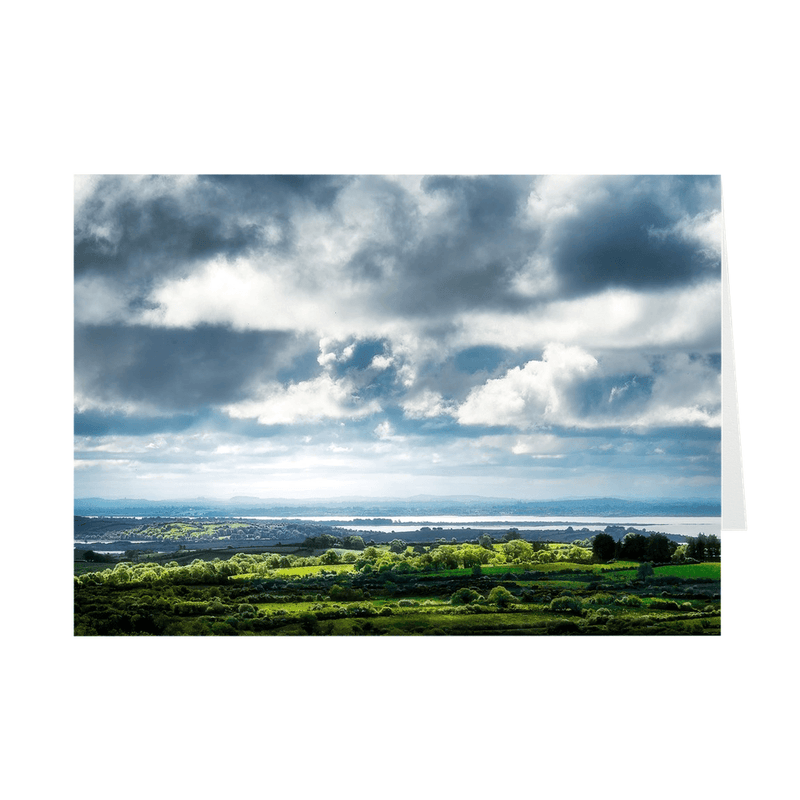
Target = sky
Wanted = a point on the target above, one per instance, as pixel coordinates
(533, 337)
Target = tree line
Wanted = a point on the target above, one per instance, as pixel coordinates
(654, 547)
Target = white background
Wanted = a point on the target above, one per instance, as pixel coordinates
(615, 87)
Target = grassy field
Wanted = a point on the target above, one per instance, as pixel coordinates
(297, 572)
(290, 572)
(706, 570)
(241, 596)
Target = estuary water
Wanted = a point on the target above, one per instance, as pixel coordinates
(679, 526)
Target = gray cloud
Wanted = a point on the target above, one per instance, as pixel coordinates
(624, 238)
(176, 369)
(403, 320)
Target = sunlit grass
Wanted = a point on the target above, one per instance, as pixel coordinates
(288, 572)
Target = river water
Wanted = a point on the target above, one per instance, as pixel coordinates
(679, 526)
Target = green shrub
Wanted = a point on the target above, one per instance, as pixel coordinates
(600, 599)
(631, 600)
(569, 604)
(464, 596)
(666, 605)
(500, 596)
(361, 610)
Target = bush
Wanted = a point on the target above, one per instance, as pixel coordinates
(500, 596)
(600, 599)
(308, 622)
(361, 610)
(340, 592)
(666, 605)
(569, 604)
(645, 571)
(599, 616)
(464, 596)
(631, 600)
(694, 627)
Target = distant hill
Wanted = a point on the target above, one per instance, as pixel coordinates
(460, 505)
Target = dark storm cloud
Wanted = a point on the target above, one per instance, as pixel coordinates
(466, 262)
(399, 230)
(136, 233)
(625, 233)
(175, 369)
(696, 194)
(484, 204)
(622, 234)
(625, 239)
(153, 236)
(269, 192)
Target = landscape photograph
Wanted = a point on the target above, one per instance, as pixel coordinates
(397, 405)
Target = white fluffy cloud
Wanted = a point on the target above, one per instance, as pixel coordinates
(425, 405)
(616, 319)
(531, 395)
(682, 392)
(307, 401)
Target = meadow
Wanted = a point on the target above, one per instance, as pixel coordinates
(497, 588)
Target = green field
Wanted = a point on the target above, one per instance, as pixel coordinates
(708, 570)
(176, 530)
(406, 593)
(290, 572)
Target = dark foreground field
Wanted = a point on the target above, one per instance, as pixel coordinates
(511, 588)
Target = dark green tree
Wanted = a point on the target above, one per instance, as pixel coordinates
(329, 557)
(659, 548)
(634, 546)
(696, 547)
(353, 543)
(603, 547)
(645, 571)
